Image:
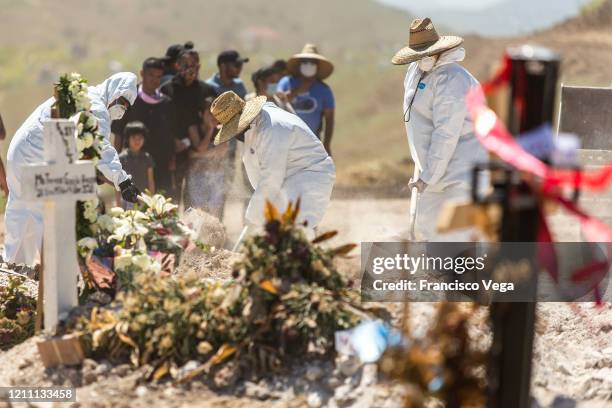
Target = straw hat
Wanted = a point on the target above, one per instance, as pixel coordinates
(310, 52)
(234, 114)
(423, 42)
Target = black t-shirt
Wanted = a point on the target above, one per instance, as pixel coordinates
(188, 102)
(137, 165)
(160, 121)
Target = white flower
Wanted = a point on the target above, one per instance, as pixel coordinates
(159, 204)
(106, 222)
(86, 245)
(137, 215)
(91, 210)
(155, 267)
(116, 212)
(91, 121)
(142, 261)
(123, 260)
(127, 228)
(82, 101)
(88, 139)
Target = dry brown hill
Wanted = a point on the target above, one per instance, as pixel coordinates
(40, 39)
(583, 43)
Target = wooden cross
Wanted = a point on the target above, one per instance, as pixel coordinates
(59, 182)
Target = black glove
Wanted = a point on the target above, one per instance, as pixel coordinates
(129, 191)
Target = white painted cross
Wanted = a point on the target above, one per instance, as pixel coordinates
(59, 182)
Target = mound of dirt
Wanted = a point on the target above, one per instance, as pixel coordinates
(213, 264)
(209, 230)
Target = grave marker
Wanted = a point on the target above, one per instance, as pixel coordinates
(58, 183)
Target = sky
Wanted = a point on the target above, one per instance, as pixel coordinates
(492, 17)
(455, 4)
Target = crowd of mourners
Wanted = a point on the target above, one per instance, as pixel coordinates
(165, 139)
(181, 135)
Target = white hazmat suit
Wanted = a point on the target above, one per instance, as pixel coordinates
(441, 135)
(23, 220)
(285, 161)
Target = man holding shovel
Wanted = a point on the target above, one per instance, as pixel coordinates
(284, 160)
(440, 131)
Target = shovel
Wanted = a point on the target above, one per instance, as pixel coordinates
(414, 199)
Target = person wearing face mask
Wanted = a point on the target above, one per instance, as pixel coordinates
(283, 158)
(439, 128)
(24, 220)
(265, 81)
(304, 89)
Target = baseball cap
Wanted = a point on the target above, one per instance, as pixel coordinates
(230, 56)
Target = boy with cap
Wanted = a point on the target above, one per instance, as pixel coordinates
(284, 160)
(228, 78)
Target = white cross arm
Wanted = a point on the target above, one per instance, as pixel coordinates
(59, 181)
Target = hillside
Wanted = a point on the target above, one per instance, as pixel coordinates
(358, 35)
(40, 39)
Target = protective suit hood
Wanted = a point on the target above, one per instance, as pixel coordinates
(120, 84)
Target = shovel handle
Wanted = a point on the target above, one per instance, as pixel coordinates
(414, 198)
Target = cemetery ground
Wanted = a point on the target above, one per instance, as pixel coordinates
(572, 356)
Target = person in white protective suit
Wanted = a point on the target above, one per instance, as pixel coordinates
(284, 160)
(23, 220)
(439, 128)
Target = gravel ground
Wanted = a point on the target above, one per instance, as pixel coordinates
(572, 355)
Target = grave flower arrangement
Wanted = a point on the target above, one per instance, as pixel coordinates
(286, 299)
(73, 102)
(130, 242)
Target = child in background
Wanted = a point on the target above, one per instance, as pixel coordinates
(135, 161)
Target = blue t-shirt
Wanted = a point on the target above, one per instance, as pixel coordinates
(237, 86)
(309, 106)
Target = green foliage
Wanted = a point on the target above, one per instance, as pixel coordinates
(65, 102)
(17, 313)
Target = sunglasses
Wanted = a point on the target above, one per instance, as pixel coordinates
(189, 68)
